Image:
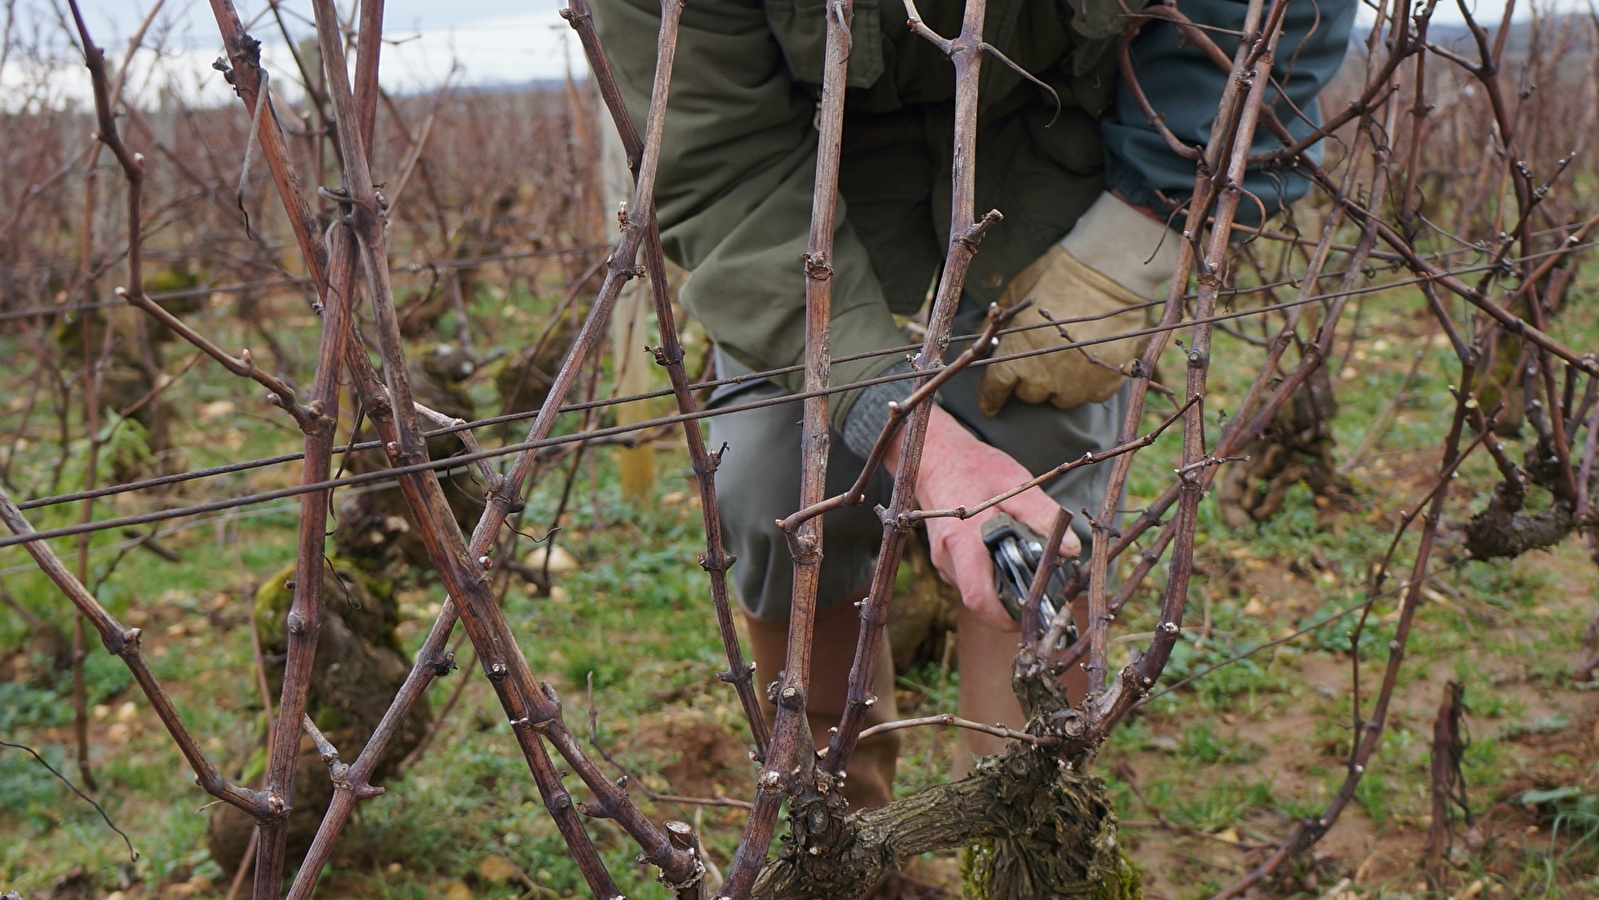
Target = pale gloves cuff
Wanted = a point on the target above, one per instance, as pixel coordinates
(1125, 245)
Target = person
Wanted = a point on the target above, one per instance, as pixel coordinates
(1085, 188)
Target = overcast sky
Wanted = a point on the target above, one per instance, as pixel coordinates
(486, 41)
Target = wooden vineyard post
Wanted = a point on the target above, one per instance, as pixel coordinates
(629, 334)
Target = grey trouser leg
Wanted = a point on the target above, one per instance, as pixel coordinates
(758, 481)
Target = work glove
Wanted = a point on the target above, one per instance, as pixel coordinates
(1111, 264)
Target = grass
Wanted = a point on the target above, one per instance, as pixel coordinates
(1243, 752)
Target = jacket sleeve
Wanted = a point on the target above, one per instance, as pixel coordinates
(1183, 85)
(737, 168)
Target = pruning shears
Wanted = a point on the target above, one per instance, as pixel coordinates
(1018, 550)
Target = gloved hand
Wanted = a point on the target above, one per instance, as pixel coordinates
(1100, 269)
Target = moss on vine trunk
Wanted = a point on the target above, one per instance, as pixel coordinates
(1033, 828)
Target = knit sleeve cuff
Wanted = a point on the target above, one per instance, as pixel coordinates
(866, 419)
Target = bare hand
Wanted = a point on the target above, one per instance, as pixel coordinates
(960, 470)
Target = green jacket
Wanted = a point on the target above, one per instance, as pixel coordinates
(739, 151)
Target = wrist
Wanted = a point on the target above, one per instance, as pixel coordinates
(942, 431)
(867, 418)
(1126, 244)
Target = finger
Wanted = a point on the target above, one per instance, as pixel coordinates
(1034, 391)
(1038, 510)
(1071, 546)
(994, 390)
(974, 578)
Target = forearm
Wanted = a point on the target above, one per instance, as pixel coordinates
(1184, 86)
